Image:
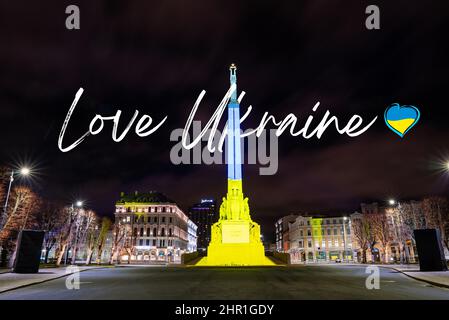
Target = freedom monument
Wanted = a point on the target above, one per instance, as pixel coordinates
(235, 238)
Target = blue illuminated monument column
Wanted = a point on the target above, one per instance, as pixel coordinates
(234, 156)
(235, 238)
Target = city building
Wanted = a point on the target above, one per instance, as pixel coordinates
(204, 214)
(320, 239)
(156, 229)
(192, 236)
(380, 233)
(281, 229)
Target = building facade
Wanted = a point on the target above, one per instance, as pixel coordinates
(320, 239)
(204, 214)
(192, 236)
(156, 229)
(282, 232)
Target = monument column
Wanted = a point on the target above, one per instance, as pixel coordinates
(235, 238)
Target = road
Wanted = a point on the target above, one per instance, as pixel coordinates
(299, 282)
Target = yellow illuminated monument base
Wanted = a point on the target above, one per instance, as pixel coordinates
(235, 237)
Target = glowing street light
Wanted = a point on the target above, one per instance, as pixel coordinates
(24, 171)
(79, 204)
(391, 202)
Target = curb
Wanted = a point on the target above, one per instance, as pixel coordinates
(46, 280)
(437, 284)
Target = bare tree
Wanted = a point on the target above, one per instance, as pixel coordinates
(22, 209)
(436, 213)
(407, 217)
(91, 240)
(84, 221)
(381, 229)
(361, 233)
(119, 236)
(105, 227)
(50, 219)
(66, 232)
(4, 180)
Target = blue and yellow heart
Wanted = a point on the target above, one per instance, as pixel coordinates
(400, 119)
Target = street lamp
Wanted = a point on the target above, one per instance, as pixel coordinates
(391, 202)
(24, 171)
(344, 238)
(78, 204)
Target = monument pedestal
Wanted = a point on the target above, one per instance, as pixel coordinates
(235, 243)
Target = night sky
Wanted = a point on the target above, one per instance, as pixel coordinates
(157, 56)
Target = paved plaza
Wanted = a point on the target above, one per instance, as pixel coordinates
(294, 282)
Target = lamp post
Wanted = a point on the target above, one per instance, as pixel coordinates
(78, 204)
(24, 172)
(395, 220)
(344, 238)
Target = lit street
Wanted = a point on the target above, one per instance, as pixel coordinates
(299, 282)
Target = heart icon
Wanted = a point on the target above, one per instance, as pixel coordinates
(400, 119)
